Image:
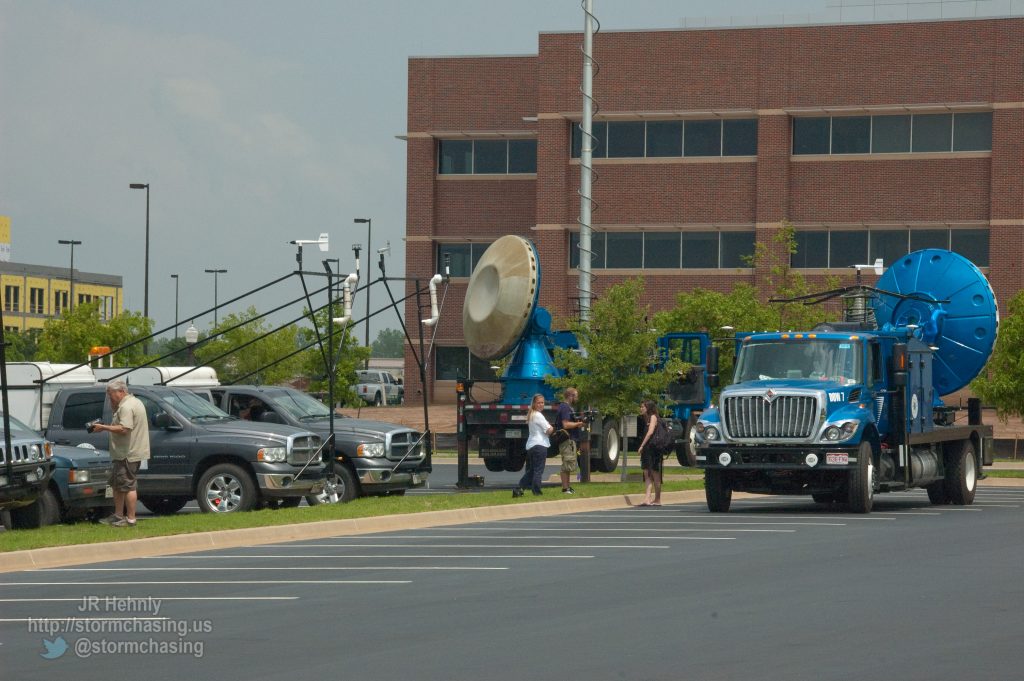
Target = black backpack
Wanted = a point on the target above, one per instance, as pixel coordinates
(662, 440)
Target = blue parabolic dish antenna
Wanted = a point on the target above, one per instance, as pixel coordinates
(967, 331)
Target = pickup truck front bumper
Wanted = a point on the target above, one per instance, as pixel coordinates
(24, 484)
(278, 481)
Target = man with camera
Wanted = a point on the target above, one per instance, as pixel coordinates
(129, 447)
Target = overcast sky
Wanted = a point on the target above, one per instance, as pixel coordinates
(255, 122)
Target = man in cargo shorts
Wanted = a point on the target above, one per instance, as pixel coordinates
(129, 447)
(565, 419)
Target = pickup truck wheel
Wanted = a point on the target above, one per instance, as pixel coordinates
(937, 493)
(961, 473)
(494, 464)
(340, 487)
(44, 511)
(226, 488)
(717, 491)
(861, 483)
(686, 451)
(164, 505)
(609, 459)
(377, 400)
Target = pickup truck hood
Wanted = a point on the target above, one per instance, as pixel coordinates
(787, 384)
(363, 428)
(66, 456)
(250, 429)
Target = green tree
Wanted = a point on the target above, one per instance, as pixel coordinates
(389, 343)
(249, 354)
(69, 337)
(22, 345)
(1001, 384)
(614, 374)
(348, 355)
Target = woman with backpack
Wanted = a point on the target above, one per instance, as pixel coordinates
(650, 455)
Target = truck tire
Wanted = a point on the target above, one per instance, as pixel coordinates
(686, 451)
(377, 400)
(717, 490)
(860, 493)
(226, 488)
(937, 493)
(609, 459)
(340, 487)
(514, 460)
(494, 464)
(961, 473)
(167, 505)
(45, 510)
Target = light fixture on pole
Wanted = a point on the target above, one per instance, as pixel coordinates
(215, 274)
(175, 278)
(71, 270)
(145, 294)
(369, 276)
(191, 337)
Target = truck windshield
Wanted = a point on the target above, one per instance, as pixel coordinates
(301, 406)
(815, 359)
(193, 407)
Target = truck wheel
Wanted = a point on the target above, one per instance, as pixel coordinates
(377, 400)
(609, 459)
(717, 490)
(164, 505)
(686, 451)
(514, 460)
(45, 510)
(494, 464)
(937, 493)
(226, 488)
(961, 473)
(861, 483)
(340, 487)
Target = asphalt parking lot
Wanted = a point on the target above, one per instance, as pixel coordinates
(777, 589)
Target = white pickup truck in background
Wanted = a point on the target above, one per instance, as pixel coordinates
(379, 387)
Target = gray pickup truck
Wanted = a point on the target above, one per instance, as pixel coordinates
(197, 451)
(24, 475)
(370, 457)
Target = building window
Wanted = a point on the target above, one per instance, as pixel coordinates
(917, 133)
(60, 302)
(36, 300)
(463, 257)
(84, 298)
(452, 363)
(845, 248)
(666, 250)
(667, 139)
(486, 157)
(12, 298)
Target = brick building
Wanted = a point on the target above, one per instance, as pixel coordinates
(870, 139)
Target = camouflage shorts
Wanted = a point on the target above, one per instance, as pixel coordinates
(568, 452)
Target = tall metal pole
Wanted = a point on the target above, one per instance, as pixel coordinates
(216, 305)
(145, 299)
(369, 276)
(71, 271)
(586, 159)
(175, 278)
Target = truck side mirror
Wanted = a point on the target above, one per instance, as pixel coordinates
(900, 363)
(712, 366)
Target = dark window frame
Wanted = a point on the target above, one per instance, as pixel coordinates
(473, 155)
(476, 250)
(603, 131)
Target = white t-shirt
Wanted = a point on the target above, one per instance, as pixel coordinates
(538, 431)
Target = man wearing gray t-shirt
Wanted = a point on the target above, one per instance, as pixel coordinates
(129, 447)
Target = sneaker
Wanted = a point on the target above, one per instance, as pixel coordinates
(537, 494)
(568, 490)
(123, 522)
(111, 519)
(517, 492)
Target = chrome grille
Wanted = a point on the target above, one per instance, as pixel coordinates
(302, 449)
(879, 406)
(406, 446)
(786, 416)
(20, 454)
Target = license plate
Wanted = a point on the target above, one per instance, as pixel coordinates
(416, 479)
(108, 492)
(837, 459)
(513, 434)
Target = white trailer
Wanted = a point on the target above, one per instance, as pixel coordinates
(32, 386)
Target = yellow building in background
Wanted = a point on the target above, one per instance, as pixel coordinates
(34, 293)
(5, 238)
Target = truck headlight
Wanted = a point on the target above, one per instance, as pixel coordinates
(840, 431)
(711, 433)
(370, 449)
(76, 475)
(34, 453)
(272, 454)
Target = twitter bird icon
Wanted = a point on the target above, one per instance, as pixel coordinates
(54, 649)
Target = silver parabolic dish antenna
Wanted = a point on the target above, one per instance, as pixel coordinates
(501, 296)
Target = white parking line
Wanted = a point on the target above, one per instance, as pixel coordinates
(566, 536)
(246, 568)
(381, 556)
(569, 527)
(988, 505)
(673, 514)
(464, 546)
(714, 521)
(228, 581)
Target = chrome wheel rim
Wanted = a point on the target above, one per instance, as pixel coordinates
(333, 492)
(224, 494)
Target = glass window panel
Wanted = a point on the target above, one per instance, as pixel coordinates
(596, 249)
(810, 135)
(522, 156)
(702, 138)
(460, 265)
(811, 249)
(626, 140)
(890, 134)
(624, 249)
(888, 245)
(700, 249)
(737, 248)
(928, 238)
(490, 156)
(665, 138)
(932, 132)
(739, 137)
(454, 157)
(600, 132)
(851, 135)
(972, 244)
(451, 363)
(847, 249)
(477, 251)
(661, 250)
(972, 131)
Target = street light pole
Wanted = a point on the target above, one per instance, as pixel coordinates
(215, 303)
(369, 277)
(145, 299)
(175, 278)
(71, 270)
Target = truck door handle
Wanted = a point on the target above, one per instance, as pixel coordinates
(63, 442)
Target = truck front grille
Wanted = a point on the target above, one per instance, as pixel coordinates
(786, 416)
(403, 444)
(20, 454)
(303, 449)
